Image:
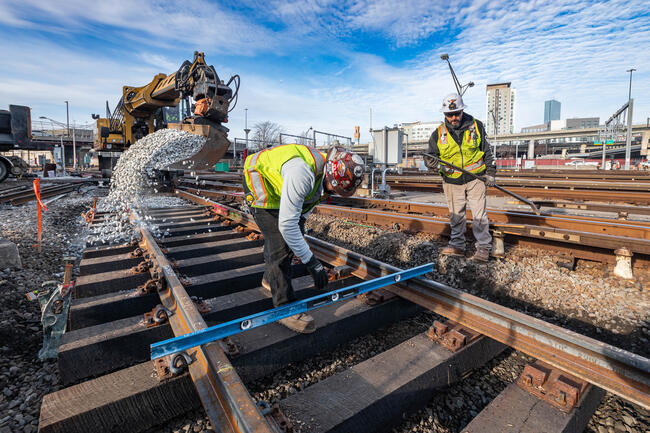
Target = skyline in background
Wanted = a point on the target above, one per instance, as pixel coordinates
(325, 64)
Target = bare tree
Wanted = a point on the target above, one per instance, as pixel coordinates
(266, 133)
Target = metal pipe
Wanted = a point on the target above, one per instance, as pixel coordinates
(372, 182)
(383, 178)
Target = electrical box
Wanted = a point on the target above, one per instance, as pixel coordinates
(387, 146)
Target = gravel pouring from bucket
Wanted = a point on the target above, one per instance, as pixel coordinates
(215, 147)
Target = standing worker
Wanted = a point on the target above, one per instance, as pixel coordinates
(461, 140)
(282, 185)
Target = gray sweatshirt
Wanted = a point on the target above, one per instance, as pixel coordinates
(297, 182)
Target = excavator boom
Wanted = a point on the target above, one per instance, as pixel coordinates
(139, 112)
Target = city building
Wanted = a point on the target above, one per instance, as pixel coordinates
(559, 125)
(552, 110)
(574, 123)
(537, 128)
(418, 131)
(500, 109)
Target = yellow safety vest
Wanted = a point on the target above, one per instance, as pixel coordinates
(469, 155)
(263, 177)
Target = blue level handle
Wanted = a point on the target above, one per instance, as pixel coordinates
(217, 332)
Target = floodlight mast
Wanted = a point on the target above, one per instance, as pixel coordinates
(461, 89)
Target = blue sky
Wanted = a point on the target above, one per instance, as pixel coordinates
(326, 63)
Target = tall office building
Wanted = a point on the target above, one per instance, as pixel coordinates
(500, 108)
(551, 110)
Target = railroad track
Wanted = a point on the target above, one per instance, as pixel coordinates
(22, 195)
(550, 191)
(213, 252)
(590, 238)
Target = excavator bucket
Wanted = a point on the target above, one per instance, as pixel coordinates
(215, 147)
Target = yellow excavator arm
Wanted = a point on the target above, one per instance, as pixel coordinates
(138, 109)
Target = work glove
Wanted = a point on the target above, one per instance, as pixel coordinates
(445, 169)
(317, 271)
(489, 180)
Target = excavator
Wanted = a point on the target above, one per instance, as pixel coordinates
(140, 112)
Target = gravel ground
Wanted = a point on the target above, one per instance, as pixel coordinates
(24, 379)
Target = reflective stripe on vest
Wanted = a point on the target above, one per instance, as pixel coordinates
(469, 155)
(262, 174)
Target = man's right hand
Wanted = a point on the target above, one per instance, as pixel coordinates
(317, 271)
(445, 169)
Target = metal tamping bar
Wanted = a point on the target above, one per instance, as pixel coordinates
(482, 179)
(207, 335)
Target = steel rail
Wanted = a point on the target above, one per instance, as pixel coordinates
(49, 192)
(536, 183)
(599, 233)
(532, 193)
(616, 370)
(225, 398)
(427, 224)
(594, 224)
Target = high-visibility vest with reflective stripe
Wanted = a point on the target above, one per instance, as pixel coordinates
(469, 155)
(263, 177)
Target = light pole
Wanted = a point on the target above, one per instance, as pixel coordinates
(629, 95)
(246, 130)
(67, 116)
(460, 88)
(628, 138)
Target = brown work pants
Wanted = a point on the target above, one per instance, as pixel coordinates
(458, 197)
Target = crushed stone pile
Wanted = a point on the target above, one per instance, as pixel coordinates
(133, 184)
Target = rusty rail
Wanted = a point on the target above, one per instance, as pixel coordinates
(225, 398)
(621, 372)
(588, 238)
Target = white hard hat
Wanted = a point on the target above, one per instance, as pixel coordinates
(452, 103)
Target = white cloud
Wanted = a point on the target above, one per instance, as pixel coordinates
(574, 51)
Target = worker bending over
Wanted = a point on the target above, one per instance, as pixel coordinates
(282, 185)
(461, 141)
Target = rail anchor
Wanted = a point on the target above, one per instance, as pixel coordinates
(552, 385)
(275, 416)
(452, 335)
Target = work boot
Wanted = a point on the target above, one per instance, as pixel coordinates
(452, 251)
(266, 284)
(481, 255)
(302, 323)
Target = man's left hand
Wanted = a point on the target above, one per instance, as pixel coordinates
(489, 180)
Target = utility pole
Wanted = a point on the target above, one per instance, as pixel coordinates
(74, 148)
(67, 116)
(629, 95)
(246, 130)
(628, 139)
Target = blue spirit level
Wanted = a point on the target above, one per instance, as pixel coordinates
(217, 332)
